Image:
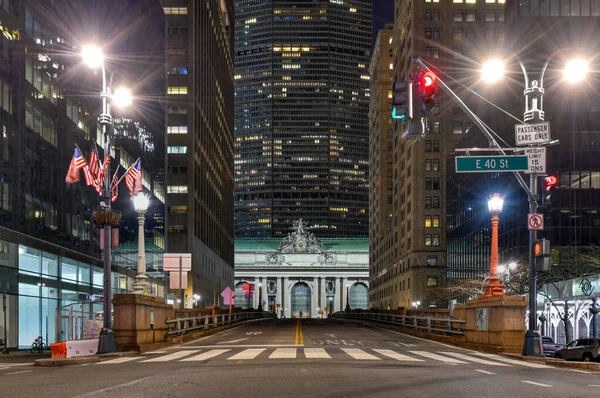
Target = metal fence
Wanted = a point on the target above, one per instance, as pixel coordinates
(79, 321)
(191, 324)
(431, 325)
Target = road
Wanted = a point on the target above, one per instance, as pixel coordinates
(289, 358)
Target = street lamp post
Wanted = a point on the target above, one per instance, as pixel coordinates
(140, 203)
(494, 287)
(594, 310)
(104, 216)
(416, 304)
(574, 71)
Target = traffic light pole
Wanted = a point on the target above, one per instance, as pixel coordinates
(532, 337)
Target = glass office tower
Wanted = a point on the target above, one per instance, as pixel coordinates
(301, 116)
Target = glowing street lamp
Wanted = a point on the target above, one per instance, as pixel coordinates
(494, 287)
(92, 56)
(122, 97)
(576, 70)
(492, 71)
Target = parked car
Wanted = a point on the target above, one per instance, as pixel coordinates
(549, 346)
(584, 349)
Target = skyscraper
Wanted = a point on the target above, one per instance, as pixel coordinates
(200, 142)
(301, 116)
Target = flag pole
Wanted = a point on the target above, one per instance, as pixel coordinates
(113, 177)
(127, 171)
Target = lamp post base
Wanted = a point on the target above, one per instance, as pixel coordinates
(532, 346)
(347, 309)
(493, 289)
(107, 342)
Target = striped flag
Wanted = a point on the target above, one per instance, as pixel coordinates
(133, 177)
(77, 163)
(104, 170)
(115, 187)
(94, 162)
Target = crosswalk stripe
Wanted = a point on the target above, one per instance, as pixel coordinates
(281, 353)
(357, 353)
(472, 359)
(396, 356)
(170, 357)
(205, 355)
(250, 353)
(117, 360)
(514, 361)
(316, 353)
(436, 357)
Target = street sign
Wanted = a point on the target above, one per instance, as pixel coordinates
(177, 262)
(536, 160)
(535, 222)
(527, 134)
(228, 296)
(490, 164)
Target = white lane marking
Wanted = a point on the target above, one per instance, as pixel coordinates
(130, 383)
(513, 361)
(593, 385)
(472, 358)
(22, 371)
(484, 372)
(117, 360)
(535, 384)
(417, 338)
(233, 341)
(170, 357)
(8, 364)
(218, 333)
(579, 371)
(436, 357)
(154, 352)
(316, 353)
(283, 353)
(246, 346)
(357, 353)
(205, 355)
(84, 364)
(396, 356)
(250, 353)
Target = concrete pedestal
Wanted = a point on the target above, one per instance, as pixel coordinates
(494, 324)
(140, 321)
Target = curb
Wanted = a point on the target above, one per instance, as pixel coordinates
(556, 362)
(49, 362)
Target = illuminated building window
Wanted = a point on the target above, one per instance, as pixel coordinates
(177, 129)
(177, 90)
(177, 189)
(177, 149)
(176, 10)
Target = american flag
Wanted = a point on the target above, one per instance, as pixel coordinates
(133, 177)
(77, 163)
(104, 170)
(115, 188)
(94, 162)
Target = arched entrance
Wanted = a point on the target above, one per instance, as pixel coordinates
(301, 300)
(359, 296)
(243, 298)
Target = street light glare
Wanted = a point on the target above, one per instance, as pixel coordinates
(92, 56)
(576, 70)
(512, 265)
(492, 71)
(121, 97)
(501, 269)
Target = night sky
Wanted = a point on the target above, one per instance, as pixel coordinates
(383, 13)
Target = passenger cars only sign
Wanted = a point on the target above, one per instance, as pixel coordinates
(527, 134)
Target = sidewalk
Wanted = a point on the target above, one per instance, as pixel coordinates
(81, 360)
(592, 366)
(22, 356)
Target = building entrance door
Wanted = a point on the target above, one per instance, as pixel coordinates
(301, 300)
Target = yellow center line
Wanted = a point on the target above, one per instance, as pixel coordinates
(301, 335)
(296, 340)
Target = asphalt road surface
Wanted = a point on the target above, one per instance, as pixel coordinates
(311, 358)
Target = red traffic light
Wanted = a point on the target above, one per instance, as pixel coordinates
(428, 79)
(550, 181)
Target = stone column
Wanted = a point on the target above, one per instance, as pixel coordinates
(287, 298)
(323, 299)
(256, 294)
(336, 297)
(314, 298)
(279, 297)
(344, 293)
(265, 294)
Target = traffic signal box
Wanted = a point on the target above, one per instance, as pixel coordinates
(412, 101)
(541, 255)
(550, 184)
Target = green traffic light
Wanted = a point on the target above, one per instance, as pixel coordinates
(396, 116)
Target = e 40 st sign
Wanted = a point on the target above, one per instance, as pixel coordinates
(490, 164)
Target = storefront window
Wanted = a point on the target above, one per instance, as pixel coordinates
(69, 269)
(49, 264)
(29, 260)
(84, 274)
